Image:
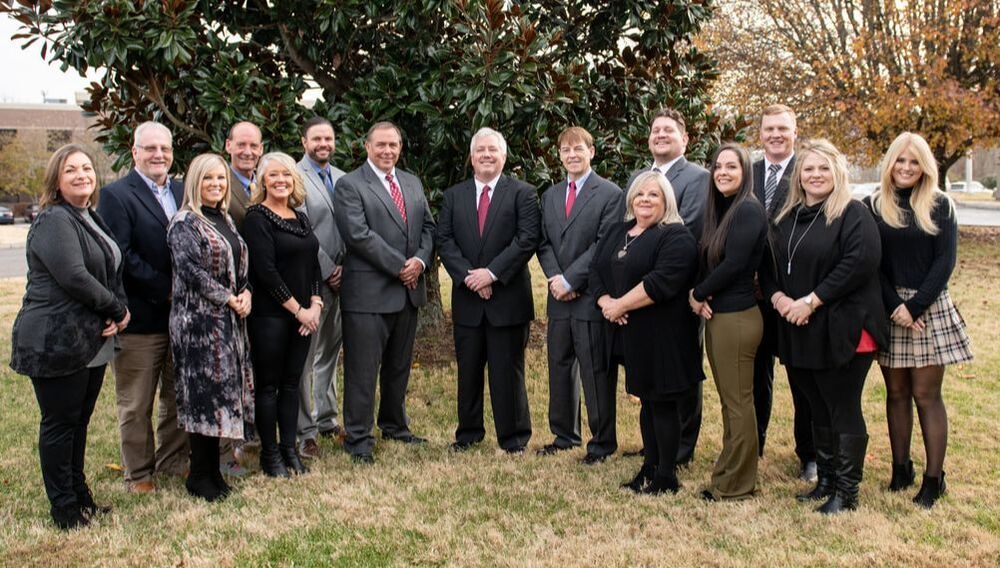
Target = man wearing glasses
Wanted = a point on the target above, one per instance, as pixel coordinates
(138, 209)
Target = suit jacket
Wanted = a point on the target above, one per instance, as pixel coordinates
(319, 208)
(378, 242)
(509, 238)
(780, 194)
(690, 182)
(568, 244)
(139, 225)
(238, 201)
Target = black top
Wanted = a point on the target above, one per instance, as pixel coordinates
(283, 261)
(731, 283)
(660, 342)
(218, 220)
(839, 263)
(914, 259)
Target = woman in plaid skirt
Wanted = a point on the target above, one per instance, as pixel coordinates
(919, 234)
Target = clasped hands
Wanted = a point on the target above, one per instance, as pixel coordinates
(240, 303)
(558, 289)
(613, 309)
(410, 272)
(116, 327)
(480, 281)
(334, 280)
(308, 318)
(701, 309)
(795, 312)
(902, 317)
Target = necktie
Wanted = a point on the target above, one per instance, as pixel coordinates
(570, 198)
(327, 181)
(484, 207)
(397, 196)
(771, 184)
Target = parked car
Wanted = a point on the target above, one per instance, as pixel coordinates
(6, 216)
(973, 187)
(860, 191)
(31, 212)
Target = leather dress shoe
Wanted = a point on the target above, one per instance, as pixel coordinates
(514, 451)
(593, 459)
(142, 487)
(363, 459)
(336, 433)
(406, 439)
(550, 449)
(462, 446)
(309, 449)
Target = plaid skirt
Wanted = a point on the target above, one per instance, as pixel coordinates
(943, 341)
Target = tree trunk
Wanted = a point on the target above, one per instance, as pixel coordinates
(432, 314)
(944, 164)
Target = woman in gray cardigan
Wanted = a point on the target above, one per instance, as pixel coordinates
(63, 337)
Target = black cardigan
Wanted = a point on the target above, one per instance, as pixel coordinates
(283, 260)
(839, 263)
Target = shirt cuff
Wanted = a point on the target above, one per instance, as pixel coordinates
(422, 263)
(566, 283)
(493, 276)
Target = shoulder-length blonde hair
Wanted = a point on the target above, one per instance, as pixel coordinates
(670, 214)
(53, 171)
(839, 198)
(259, 192)
(196, 172)
(885, 200)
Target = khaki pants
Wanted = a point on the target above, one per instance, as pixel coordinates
(731, 340)
(144, 363)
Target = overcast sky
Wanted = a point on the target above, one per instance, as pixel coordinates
(26, 74)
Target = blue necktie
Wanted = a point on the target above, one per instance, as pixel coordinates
(327, 181)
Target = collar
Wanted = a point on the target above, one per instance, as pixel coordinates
(580, 182)
(781, 166)
(492, 183)
(664, 168)
(152, 184)
(380, 174)
(318, 167)
(246, 181)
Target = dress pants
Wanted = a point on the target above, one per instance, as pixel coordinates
(318, 408)
(376, 347)
(144, 363)
(279, 354)
(576, 353)
(731, 341)
(502, 349)
(66, 405)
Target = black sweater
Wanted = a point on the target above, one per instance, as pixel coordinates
(914, 259)
(218, 220)
(283, 261)
(731, 283)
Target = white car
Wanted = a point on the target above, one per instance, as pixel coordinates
(860, 191)
(973, 187)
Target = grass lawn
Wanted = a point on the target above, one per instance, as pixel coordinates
(427, 506)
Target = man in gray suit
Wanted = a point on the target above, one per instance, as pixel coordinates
(318, 388)
(245, 146)
(667, 143)
(575, 215)
(388, 230)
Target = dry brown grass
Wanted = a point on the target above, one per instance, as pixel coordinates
(429, 506)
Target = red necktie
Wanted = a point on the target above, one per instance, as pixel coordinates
(397, 196)
(484, 207)
(570, 198)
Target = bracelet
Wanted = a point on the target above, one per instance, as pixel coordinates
(296, 314)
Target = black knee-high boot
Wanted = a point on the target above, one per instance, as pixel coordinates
(200, 481)
(826, 474)
(850, 468)
(288, 416)
(266, 417)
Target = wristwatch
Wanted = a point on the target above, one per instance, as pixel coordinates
(809, 302)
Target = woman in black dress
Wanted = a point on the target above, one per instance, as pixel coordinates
(732, 245)
(641, 272)
(916, 222)
(823, 282)
(285, 273)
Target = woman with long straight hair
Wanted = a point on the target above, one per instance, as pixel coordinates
(919, 235)
(822, 279)
(732, 244)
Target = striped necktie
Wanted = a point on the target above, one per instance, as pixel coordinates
(771, 185)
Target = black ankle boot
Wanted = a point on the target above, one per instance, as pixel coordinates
(931, 490)
(292, 460)
(902, 476)
(661, 484)
(826, 475)
(202, 486)
(220, 483)
(68, 517)
(850, 468)
(88, 507)
(271, 463)
(645, 475)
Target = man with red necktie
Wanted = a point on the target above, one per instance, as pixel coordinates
(488, 228)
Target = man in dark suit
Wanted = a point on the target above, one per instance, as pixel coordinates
(245, 147)
(668, 141)
(576, 213)
(138, 209)
(318, 410)
(488, 229)
(771, 176)
(387, 227)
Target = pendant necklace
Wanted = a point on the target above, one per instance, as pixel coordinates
(791, 250)
(628, 241)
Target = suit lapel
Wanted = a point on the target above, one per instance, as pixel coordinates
(496, 202)
(583, 196)
(311, 177)
(467, 210)
(376, 187)
(676, 169)
(146, 197)
(558, 196)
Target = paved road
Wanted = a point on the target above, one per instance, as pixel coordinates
(981, 217)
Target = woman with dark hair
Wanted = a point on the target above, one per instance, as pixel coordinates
(64, 335)
(285, 272)
(640, 275)
(732, 244)
(823, 282)
(916, 222)
(207, 326)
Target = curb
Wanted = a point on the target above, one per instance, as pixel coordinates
(985, 205)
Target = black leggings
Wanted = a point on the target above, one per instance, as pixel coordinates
(660, 424)
(279, 355)
(835, 394)
(66, 403)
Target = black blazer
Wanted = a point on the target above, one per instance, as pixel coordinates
(139, 225)
(780, 193)
(73, 287)
(510, 237)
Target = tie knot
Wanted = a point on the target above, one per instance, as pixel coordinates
(388, 178)
(773, 168)
(486, 189)
(572, 186)
(324, 174)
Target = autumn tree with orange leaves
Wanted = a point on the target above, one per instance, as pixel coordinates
(861, 71)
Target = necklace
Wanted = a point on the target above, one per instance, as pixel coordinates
(791, 250)
(628, 241)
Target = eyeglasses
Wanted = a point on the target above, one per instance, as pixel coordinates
(152, 148)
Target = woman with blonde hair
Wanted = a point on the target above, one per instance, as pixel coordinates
(286, 274)
(823, 281)
(208, 336)
(919, 235)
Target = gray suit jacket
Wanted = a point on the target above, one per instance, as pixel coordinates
(319, 208)
(568, 243)
(690, 182)
(378, 242)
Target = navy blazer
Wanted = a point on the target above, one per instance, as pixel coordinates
(139, 225)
